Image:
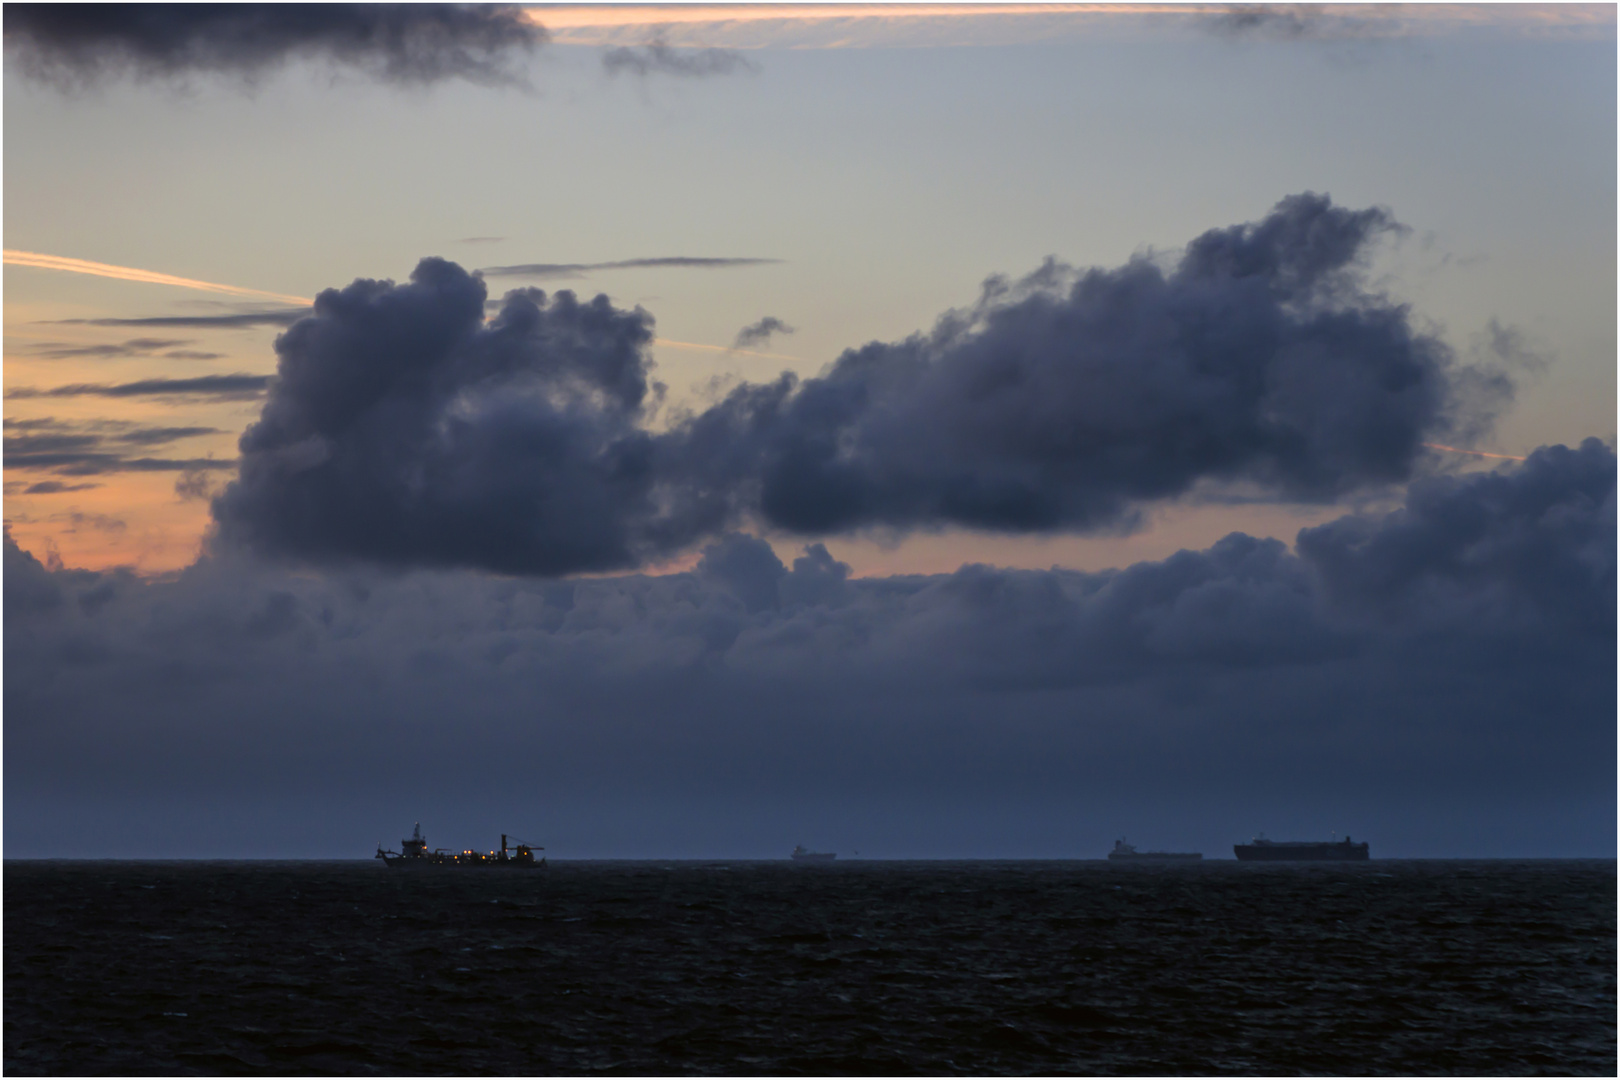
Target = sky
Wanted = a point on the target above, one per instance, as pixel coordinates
(916, 430)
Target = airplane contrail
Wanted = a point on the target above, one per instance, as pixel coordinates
(130, 273)
(1476, 453)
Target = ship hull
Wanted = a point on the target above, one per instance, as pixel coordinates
(1155, 856)
(1342, 852)
(815, 857)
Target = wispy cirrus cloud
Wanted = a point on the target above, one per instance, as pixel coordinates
(69, 265)
(96, 447)
(220, 387)
(120, 349)
(271, 317)
(579, 270)
(45, 487)
(658, 58)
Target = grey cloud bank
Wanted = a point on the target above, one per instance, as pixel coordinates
(404, 429)
(1440, 679)
(77, 44)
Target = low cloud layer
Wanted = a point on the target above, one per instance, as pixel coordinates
(405, 429)
(74, 44)
(1439, 679)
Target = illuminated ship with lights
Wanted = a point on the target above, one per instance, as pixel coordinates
(415, 854)
(1262, 850)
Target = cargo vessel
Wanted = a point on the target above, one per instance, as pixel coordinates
(801, 855)
(415, 854)
(1262, 850)
(1124, 852)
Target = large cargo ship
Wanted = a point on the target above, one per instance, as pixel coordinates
(415, 854)
(1262, 850)
(801, 855)
(1124, 852)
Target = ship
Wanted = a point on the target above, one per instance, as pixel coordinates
(414, 854)
(1262, 850)
(801, 855)
(1124, 852)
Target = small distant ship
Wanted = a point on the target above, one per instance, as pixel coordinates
(1262, 850)
(1124, 852)
(801, 855)
(415, 854)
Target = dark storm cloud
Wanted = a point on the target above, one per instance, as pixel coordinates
(76, 44)
(221, 387)
(760, 333)
(1068, 400)
(277, 317)
(405, 429)
(1441, 678)
(579, 270)
(87, 448)
(659, 58)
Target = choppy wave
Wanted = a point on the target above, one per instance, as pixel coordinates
(1387, 967)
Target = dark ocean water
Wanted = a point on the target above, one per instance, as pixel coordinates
(646, 967)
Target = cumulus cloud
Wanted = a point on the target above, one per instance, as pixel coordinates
(759, 333)
(1068, 400)
(1533, 542)
(659, 58)
(403, 428)
(1440, 676)
(73, 44)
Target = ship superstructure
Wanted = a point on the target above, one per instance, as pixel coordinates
(414, 853)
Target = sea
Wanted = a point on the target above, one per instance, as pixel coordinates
(769, 968)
